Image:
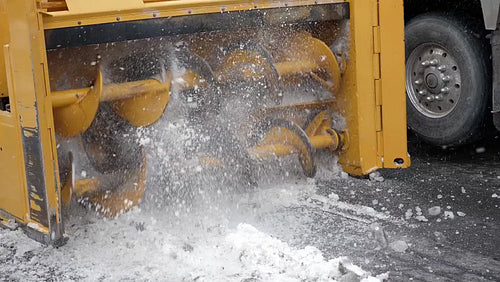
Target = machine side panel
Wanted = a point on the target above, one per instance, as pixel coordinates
(13, 194)
(357, 97)
(4, 39)
(29, 94)
(13, 198)
(392, 70)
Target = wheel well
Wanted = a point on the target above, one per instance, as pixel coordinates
(416, 7)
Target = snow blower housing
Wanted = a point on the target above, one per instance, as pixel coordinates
(90, 71)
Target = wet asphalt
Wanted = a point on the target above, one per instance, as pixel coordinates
(461, 245)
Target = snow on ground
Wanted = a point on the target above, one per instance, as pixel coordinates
(194, 225)
(211, 242)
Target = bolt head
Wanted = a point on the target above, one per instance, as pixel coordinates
(419, 82)
(446, 78)
(422, 92)
(429, 98)
(434, 62)
(442, 68)
(425, 63)
(445, 90)
(439, 97)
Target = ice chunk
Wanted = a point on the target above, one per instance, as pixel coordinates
(344, 175)
(421, 218)
(434, 211)
(399, 246)
(449, 214)
(375, 176)
(379, 234)
(409, 213)
(418, 210)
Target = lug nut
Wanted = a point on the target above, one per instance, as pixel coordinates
(425, 63)
(445, 90)
(439, 97)
(434, 62)
(429, 98)
(447, 78)
(442, 68)
(422, 92)
(419, 81)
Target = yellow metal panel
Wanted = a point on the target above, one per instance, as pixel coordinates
(378, 92)
(4, 39)
(376, 39)
(13, 197)
(110, 13)
(378, 120)
(380, 149)
(357, 99)
(29, 93)
(376, 66)
(392, 65)
(95, 6)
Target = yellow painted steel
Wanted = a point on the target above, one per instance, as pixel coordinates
(13, 199)
(361, 88)
(30, 155)
(4, 39)
(318, 125)
(146, 106)
(112, 201)
(304, 55)
(368, 93)
(76, 117)
(281, 141)
(305, 46)
(140, 102)
(241, 58)
(98, 12)
(283, 149)
(108, 200)
(392, 73)
(109, 92)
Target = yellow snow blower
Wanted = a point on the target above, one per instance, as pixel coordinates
(77, 77)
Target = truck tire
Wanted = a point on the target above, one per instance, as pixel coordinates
(447, 79)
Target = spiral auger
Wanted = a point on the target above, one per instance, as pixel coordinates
(281, 137)
(139, 91)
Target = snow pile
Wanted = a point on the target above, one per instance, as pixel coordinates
(270, 259)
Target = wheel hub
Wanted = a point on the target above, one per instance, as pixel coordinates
(433, 81)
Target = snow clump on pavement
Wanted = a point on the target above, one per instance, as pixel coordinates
(273, 260)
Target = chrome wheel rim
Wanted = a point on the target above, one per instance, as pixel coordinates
(433, 81)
